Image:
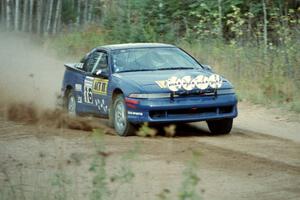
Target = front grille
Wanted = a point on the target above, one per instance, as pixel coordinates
(156, 114)
(195, 93)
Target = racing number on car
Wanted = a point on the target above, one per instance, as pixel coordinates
(88, 94)
(88, 90)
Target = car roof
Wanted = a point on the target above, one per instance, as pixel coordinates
(133, 45)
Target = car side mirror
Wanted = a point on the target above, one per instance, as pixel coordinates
(98, 72)
(207, 68)
(101, 73)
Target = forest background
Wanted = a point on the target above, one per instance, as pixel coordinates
(254, 43)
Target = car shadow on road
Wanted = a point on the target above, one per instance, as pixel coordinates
(184, 130)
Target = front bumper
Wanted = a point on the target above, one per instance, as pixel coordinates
(183, 109)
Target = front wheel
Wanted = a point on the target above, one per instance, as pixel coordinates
(122, 126)
(221, 126)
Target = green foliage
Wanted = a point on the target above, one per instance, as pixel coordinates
(191, 179)
(146, 131)
(226, 34)
(77, 43)
(257, 77)
(68, 11)
(124, 174)
(59, 183)
(100, 188)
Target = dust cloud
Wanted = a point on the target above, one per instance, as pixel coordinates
(55, 118)
(30, 82)
(28, 73)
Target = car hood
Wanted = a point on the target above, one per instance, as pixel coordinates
(147, 81)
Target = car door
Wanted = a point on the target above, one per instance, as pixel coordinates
(84, 86)
(100, 73)
(95, 85)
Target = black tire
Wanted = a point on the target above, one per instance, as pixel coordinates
(111, 116)
(220, 127)
(128, 128)
(69, 98)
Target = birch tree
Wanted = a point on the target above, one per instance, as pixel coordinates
(45, 14)
(31, 4)
(78, 13)
(57, 17)
(49, 18)
(265, 25)
(91, 10)
(39, 16)
(25, 15)
(85, 12)
(17, 14)
(220, 18)
(3, 11)
(8, 14)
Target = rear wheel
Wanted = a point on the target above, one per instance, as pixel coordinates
(71, 104)
(220, 127)
(121, 124)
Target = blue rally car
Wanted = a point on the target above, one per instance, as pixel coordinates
(148, 82)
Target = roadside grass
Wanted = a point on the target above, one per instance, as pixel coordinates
(270, 78)
(188, 189)
(76, 44)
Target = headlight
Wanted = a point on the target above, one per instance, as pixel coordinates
(150, 96)
(226, 91)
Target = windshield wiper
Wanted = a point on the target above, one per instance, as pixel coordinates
(137, 70)
(174, 68)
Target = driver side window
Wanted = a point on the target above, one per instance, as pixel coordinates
(101, 64)
(91, 61)
(96, 61)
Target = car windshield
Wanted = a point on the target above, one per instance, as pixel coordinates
(150, 59)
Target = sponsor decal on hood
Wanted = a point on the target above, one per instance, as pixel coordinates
(188, 83)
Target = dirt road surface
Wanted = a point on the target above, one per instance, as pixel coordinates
(260, 159)
(243, 165)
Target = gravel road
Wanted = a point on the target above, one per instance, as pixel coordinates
(242, 165)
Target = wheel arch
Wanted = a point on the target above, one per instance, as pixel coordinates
(116, 92)
(68, 89)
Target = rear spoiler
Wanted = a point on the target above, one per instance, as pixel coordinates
(76, 66)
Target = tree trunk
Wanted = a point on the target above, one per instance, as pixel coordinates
(49, 18)
(25, 15)
(2, 12)
(265, 25)
(30, 15)
(8, 14)
(85, 12)
(45, 10)
(220, 18)
(57, 17)
(39, 16)
(78, 13)
(17, 14)
(91, 10)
